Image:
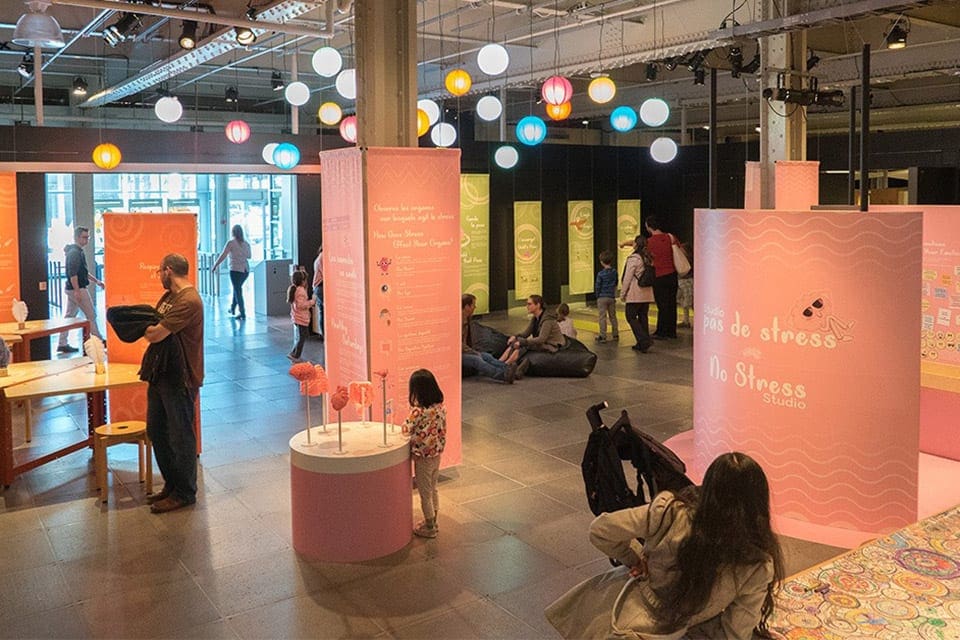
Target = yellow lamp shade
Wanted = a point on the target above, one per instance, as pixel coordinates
(106, 156)
(602, 89)
(559, 111)
(458, 82)
(423, 122)
(330, 113)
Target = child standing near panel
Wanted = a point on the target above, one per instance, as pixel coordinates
(300, 305)
(605, 288)
(427, 427)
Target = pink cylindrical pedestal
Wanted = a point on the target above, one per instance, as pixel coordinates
(353, 506)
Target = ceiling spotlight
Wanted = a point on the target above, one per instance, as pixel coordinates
(699, 75)
(670, 63)
(251, 13)
(897, 35)
(696, 60)
(244, 36)
(812, 61)
(230, 96)
(276, 81)
(188, 35)
(25, 68)
(736, 61)
(651, 72)
(119, 30)
(79, 86)
(754, 65)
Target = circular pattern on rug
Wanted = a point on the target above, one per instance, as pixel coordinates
(938, 628)
(895, 593)
(919, 584)
(840, 625)
(842, 600)
(895, 609)
(803, 620)
(928, 563)
(854, 583)
(802, 634)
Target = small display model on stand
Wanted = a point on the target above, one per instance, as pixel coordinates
(313, 382)
(382, 374)
(338, 400)
(361, 394)
(20, 312)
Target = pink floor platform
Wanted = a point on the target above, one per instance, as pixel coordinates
(939, 490)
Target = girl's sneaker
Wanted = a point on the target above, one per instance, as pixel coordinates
(426, 529)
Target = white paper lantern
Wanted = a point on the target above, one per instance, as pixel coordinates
(327, 61)
(267, 153)
(663, 150)
(654, 112)
(493, 59)
(297, 93)
(168, 109)
(431, 109)
(347, 84)
(506, 157)
(443, 134)
(489, 108)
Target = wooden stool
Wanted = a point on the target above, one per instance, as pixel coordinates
(117, 433)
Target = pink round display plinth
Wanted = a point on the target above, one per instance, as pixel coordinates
(352, 506)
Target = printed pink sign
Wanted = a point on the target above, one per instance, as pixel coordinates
(801, 360)
(796, 184)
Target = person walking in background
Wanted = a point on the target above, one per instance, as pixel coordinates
(172, 390)
(78, 279)
(239, 251)
(636, 296)
(605, 289)
(299, 312)
(318, 288)
(660, 246)
(427, 427)
(563, 319)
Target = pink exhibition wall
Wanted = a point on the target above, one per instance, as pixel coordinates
(391, 229)
(796, 184)
(800, 361)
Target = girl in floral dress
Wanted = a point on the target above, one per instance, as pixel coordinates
(427, 427)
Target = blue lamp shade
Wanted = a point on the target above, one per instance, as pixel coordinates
(286, 156)
(623, 119)
(531, 130)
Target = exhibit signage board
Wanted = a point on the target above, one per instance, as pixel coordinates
(800, 358)
(475, 238)
(9, 246)
(528, 249)
(133, 246)
(796, 184)
(580, 246)
(751, 185)
(628, 228)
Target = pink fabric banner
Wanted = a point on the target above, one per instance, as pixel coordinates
(797, 185)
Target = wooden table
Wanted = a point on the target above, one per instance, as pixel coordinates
(34, 329)
(42, 379)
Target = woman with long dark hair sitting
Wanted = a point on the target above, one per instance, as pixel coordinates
(707, 568)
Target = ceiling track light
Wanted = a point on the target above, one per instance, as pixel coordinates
(699, 75)
(695, 61)
(812, 61)
(25, 68)
(651, 72)
(230, 96)
(276, 81)
(896, 36)
(754, 65)
(671, 63)
(79, 86)
(188, 35)
(735, 56)
(244, 36)
(119, 30)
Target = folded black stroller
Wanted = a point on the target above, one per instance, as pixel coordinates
(658, 468)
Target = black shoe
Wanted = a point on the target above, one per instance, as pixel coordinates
(637, 347)
(522, 367)
(157, 497)
(67, 349)
(658, 337)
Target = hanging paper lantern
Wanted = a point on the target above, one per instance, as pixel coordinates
(458, 82)
(327, 61)
(602, 89)
(431, 108)
(168, 109)
(348, 129)
(506, 157)
(623, 119)
(106, 156)
(237, 131)
(489, 108)
(531, 130)
(329, 113)
(556, 90)
(493, 59)
(423, 122)
(267, 152)
(663, 150)
(286, 156)
(443, 134)
(559, 111)
(347, 84)
(654, 112)
(297, 93)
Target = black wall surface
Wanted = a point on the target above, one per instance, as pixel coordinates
(32, 232)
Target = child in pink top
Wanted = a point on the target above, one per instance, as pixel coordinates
(427, 426)
(300, 305)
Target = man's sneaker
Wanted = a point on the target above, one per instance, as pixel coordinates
(510, 374)
(65, 348)
(522, 367)
(426, 529)
(600, 339)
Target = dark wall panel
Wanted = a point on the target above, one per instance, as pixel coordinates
(308, 219)
(32, 230)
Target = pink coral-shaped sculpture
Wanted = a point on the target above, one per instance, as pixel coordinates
(339, 398)
(381, 373)
(303, 371)
(361, 395)
(316, 386)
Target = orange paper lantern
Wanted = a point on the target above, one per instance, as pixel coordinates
(423, 122)
(458, 82)
(559, 111)
(106, 156)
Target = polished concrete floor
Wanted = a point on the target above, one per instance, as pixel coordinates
(513, 516)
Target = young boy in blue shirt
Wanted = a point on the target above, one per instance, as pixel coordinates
(605, 289)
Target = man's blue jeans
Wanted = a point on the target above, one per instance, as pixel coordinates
(485, 365)
(170, 417)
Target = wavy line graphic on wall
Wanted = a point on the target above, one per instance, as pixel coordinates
(716, 220)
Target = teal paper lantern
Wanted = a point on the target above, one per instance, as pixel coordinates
(531, 130)
(623, 119)
(286, 156)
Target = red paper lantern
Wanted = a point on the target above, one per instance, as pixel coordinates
(556, 90)
(559, 111)
(237, 131)
(348, 129)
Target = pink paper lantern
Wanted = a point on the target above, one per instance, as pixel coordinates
(556, 90)
(348, 129)
(237, 131)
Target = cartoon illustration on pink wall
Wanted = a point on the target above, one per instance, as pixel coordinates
(814, 312)
(384, 264)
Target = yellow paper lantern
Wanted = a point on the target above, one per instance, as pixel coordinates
(423, 122)
(106, 156)
(602, 89)
(330, 113)
(559, 111)
(458, 82)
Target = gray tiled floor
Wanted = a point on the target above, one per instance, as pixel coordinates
(513, 522)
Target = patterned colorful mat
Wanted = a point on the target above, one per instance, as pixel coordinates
(905, 585)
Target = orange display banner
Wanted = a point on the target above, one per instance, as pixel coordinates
(9, 246)
(134, 245)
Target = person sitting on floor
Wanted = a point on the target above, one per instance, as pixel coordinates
(542, 334)
(480, 361)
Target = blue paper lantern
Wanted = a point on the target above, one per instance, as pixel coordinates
(286, 156)
(623, 119)
(531, 130)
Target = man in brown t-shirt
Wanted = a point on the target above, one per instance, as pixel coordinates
(171, 403)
